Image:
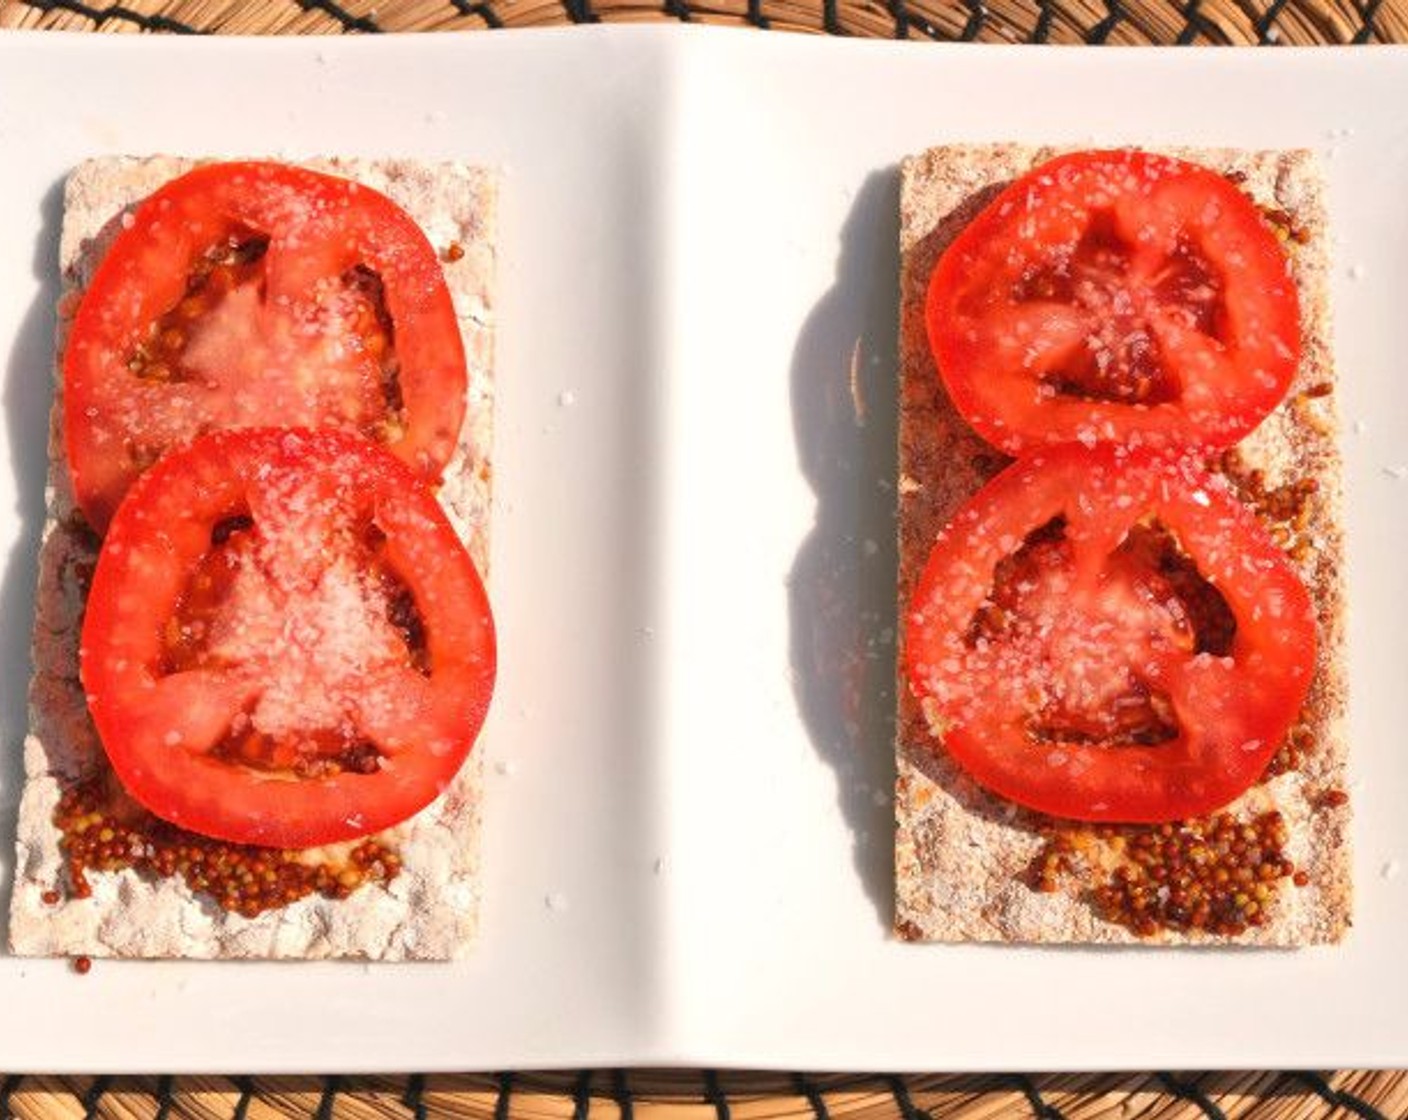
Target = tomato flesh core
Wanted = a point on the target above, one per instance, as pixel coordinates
(332, 360)
(285, 643)
(1108, 295)
(1107, 635)
(1122, 291)
(237, 616)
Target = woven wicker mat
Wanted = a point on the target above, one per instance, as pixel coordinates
(709, 1095)
(1057, 21)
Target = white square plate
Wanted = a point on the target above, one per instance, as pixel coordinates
(688, 832)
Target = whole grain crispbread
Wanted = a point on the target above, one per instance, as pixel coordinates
(430, 910)
(964, 857)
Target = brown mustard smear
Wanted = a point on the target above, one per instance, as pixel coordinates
(1218, 875)
(101, 833)
(1291, 753)
(1286, 511)
(1284, 225)
(1290, 502)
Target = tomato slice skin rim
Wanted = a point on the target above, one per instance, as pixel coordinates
(1233, 711)
(318, 224)
(164, 522)
(1227, 391)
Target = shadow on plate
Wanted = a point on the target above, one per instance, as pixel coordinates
(842, 586)
(28, 394)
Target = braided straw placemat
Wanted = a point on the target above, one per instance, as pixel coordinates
(1006, 21)
(707, 1094)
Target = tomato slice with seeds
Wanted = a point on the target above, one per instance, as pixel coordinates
(285, 643)
(1108, 635)
(250, 294)
(1109, 295)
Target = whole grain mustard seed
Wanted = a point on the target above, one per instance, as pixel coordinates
(1284, 225)
(1289, 503)
(240, 878)
(1292, 752)
(1218, 875)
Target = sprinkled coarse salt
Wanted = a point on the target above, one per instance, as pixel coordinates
(567, 398)
(869, 547)
(506, 767)
(1389, 870)
(1396, 470)
(881, 798)
(1361, 426)
(659, 867)
(1356, 272)
(556, 901)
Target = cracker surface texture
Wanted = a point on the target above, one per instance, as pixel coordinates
(962, 855)
(430, 911)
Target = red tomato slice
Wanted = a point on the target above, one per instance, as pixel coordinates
(1109, 295)
(1108, 635)
(249, 294)
(285, 643)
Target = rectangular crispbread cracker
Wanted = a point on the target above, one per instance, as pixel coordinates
(963, 856)
(429, 911)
